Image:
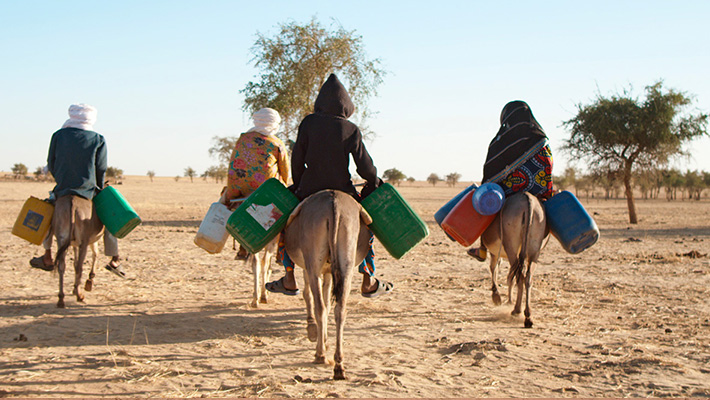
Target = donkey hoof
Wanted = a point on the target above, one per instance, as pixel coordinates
(319, 360)
(254, 304)
(60, 303)
(496, 299)
(89, 285)
(312, 332)
(339, 373)
(528, 323)
(263, 300)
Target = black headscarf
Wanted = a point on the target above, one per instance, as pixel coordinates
(519, 133)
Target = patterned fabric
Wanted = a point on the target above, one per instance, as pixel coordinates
(534, 176)
(256, 158)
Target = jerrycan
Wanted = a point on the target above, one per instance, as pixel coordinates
(212, 234)
(446, 208)
(395, 224)
(262, 216)
(570, 223)
(464, 223)
(34, 220)
(115, 213)
(488, 199)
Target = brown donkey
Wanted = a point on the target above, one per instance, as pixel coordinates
(518, 234)
(75, 223)
(328, 236)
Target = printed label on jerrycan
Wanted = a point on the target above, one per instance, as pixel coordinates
(33, 220)
(266, 216)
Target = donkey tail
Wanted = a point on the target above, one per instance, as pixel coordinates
(526, 220)
(335, 267)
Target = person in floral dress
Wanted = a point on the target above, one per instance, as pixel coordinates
(257, 156)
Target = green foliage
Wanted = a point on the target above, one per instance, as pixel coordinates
(19, 170)
(452, 179)
(218, 173)
(621, 133)
(433, 179)
(114, 173)
(294, 63)
(190, 173)
(151, 175)
(222, 148)
(694, 184)
(394, 176)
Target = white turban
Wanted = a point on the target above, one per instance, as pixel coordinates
(81, 116)
(266, 121)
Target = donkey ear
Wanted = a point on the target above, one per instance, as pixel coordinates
(294, 213)
(365, 216)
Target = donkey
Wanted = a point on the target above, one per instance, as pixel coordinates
(518, 233)
(327, 235)
(75, 223)
(261, 267)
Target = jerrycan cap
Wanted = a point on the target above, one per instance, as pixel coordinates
(488, 198)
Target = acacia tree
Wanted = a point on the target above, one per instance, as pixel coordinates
(190, 173)
(222, 148)
(453, 178)
(19, 170)
(433, 179)
(624, 134)
(294, 63)
(394, 176)
(151, 175)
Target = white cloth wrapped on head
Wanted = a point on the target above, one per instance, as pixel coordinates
(81, 116)
(266, 121)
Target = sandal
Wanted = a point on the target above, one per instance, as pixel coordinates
(278, 287)
(118, 270)
(476, 253)
(382, 288)
(38, 262)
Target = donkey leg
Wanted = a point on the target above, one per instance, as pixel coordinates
(265, 275)
(518, 280)
(253, 260)
(89, 285)
(495, 296)
(311, 326)
(60, 260)
(78, 270)
(340, 313)
(528, 291)
(321, 318)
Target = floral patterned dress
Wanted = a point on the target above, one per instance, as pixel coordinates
(256, 157)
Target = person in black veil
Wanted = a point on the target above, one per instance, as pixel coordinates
(519, 158)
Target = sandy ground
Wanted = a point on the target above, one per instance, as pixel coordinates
(628, 317)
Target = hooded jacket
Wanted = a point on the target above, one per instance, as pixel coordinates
(519, 138)
(325, 142)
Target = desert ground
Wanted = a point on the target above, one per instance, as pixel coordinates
(629, 317)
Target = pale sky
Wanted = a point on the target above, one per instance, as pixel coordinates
(165, 76)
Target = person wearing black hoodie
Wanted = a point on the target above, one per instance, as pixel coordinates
(320, 160)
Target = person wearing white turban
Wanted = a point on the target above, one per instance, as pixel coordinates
(77, 160)
(257, 156)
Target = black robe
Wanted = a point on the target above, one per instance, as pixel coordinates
(325, 142)
(519, 138)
